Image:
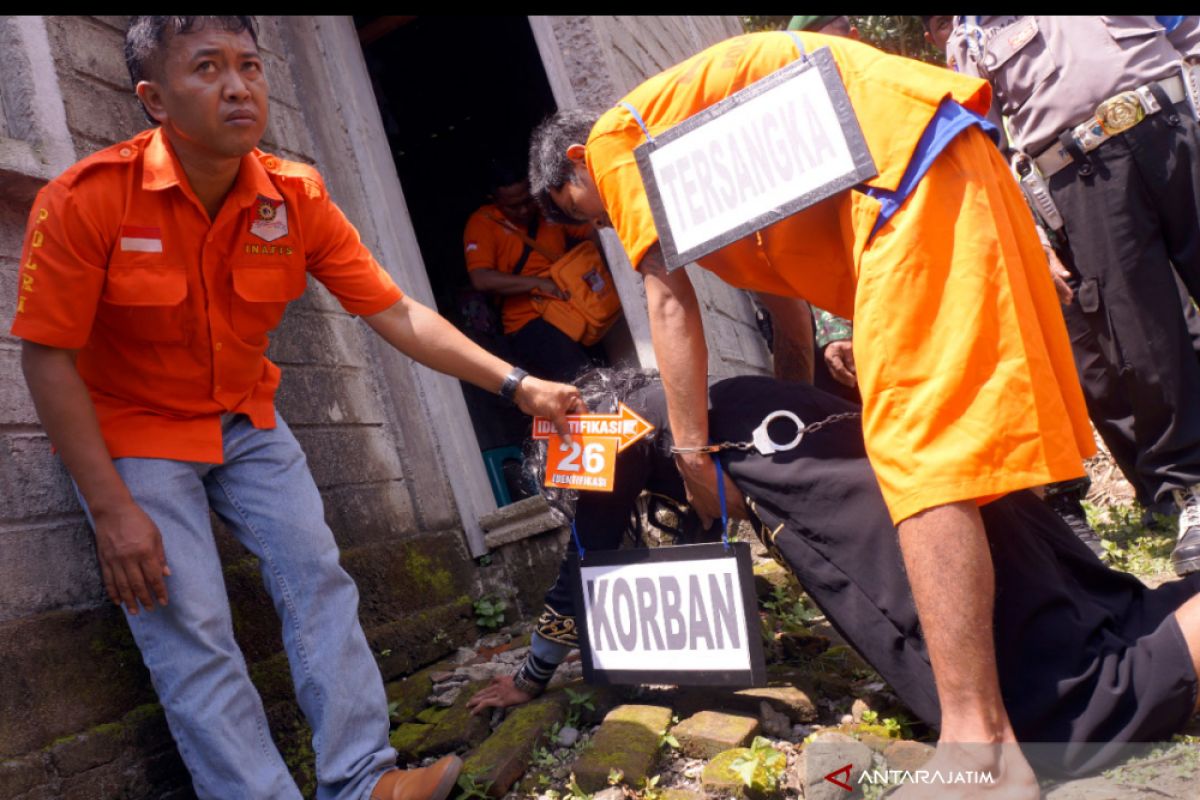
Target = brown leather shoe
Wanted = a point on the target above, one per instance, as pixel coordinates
(434, 782)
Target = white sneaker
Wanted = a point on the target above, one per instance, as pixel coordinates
(1185, 558)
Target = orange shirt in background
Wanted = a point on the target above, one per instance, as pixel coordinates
(489, 244)
(170, 312)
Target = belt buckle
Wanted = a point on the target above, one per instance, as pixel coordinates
(1120, 113)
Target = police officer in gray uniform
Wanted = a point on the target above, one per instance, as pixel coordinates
(1102, 114)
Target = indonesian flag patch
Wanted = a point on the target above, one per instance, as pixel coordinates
(135, 239)
(270, 219)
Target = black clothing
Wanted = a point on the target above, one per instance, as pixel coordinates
(1130, 212)
(546, 352)
(1085, 653)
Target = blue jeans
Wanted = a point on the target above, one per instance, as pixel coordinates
(266, 496)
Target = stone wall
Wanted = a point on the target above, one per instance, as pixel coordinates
(78, 717)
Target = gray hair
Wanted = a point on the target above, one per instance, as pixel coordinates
(147, 38)
(549, 167)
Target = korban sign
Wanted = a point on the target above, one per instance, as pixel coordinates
(589, 461)
(680, 615)
(784, 143)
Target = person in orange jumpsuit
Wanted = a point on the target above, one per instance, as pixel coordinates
(969, 390)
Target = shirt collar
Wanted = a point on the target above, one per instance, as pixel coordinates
(161, 170)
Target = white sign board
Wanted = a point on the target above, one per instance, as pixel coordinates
(782, 144)
(680, 615)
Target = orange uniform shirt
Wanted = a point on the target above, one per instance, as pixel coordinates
(170, 312)
(968, 384)
(492, 245)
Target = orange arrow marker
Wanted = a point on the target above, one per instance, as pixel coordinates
(626, 425)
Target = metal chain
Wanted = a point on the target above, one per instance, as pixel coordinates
(812, 428)
(821, 423)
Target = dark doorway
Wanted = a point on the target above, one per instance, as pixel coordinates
(454, 95)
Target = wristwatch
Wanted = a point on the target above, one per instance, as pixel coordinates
(508, 389)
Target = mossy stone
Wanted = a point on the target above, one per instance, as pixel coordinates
(628, 740)
(505, 755)
(410, 694)
(707, 733)
(457, 728)
(432, 715)
(719, 778)
(408, 738)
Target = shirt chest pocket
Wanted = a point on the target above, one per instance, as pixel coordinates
(1017, 61)
(1128, 30)
(145, 301)
(260, 296)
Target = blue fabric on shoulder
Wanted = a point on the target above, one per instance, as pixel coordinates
(948, 121)
(1170, 23)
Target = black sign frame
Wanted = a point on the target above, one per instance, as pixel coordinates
(864, 165)
(739, 552)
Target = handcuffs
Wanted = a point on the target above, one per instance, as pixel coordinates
(760, 437)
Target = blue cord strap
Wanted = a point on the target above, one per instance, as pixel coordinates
(721, 495)
(637, 118)
(578, 544)
(799, 45)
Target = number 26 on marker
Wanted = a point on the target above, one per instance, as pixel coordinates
(587, 463)
(593, 457)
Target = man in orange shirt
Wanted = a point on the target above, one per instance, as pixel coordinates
(151, 275)
(969, 390)
(499, 260)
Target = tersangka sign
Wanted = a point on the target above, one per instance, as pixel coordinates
(783, 143)
(680, 615)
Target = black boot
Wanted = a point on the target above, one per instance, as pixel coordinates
(1070, 510)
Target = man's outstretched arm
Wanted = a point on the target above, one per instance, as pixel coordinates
(425, 336)
(677, 331)
(128, 543)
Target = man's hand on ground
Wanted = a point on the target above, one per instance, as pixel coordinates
(500, 693)
(132, 560)
(539, 398)
(839, 357)
(700, 479)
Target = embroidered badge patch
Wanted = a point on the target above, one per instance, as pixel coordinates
(270, 219)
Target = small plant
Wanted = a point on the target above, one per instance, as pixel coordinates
(761, 768)
(470, 787)
(392, 707)
(574, 792)
(892, 727)
(792, 613)
(489, 612)
(484, 560)
(578, 702)
(650, 790)
(615, 776)
(544, 757)
(1129, 545)
(665, 739)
